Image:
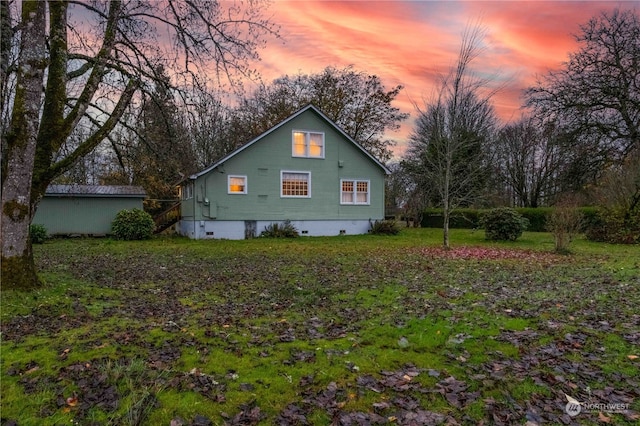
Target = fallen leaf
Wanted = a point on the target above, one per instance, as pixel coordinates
(72, 401)
(31, 370)
(603, 418)
(572, 399)
(632, 357)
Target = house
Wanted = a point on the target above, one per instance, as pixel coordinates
(305, 170)
(85, 209)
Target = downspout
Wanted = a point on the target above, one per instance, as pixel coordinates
(194, 209)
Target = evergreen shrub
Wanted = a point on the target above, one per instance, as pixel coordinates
(464, 218)
(37, 233)
(537, 217)
(503, 224)
(134, 224)
(617, 226)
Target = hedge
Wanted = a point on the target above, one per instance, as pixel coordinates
(470, 218)
(460, 218)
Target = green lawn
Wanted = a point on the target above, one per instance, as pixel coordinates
(340, 330)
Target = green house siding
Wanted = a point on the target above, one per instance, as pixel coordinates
(263, 161)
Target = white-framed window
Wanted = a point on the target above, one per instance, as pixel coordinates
(307, 144)
(236, 184)
(354, 191)
(186, 191)
(295, 184)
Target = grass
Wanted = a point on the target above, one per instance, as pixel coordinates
(275, 331)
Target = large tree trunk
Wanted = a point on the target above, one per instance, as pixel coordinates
(18, 268)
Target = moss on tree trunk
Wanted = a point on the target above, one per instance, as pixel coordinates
(19, 272)
(18, 267)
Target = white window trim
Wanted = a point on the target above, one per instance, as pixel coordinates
(355, 192)
(308, 173)
(186, 191)
(307, 144)
(229, 191)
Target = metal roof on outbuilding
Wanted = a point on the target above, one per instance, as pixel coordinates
(96, 191)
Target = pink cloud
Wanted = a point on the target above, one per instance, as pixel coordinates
(412, 42)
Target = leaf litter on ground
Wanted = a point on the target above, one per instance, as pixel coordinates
(569, 308)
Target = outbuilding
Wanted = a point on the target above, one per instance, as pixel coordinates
(85, 209)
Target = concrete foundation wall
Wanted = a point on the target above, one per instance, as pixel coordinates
(237, 230)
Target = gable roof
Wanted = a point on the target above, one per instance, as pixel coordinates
(96, 191)
(281, 124)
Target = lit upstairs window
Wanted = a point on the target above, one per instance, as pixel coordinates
(308, 144)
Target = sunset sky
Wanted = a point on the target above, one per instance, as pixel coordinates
(411, 42)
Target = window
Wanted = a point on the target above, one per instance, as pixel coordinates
(308, 144)
(186, 191)
(295, 184)
(354, 191)
(237, 184)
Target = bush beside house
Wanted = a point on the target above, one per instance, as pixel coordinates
(134, 224)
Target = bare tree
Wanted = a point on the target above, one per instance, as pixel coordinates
(565, 222)
(446, 153)
(358, 102)
(162, 153)
(597, 91)
(208, 120)
(92, 72)
(619, 187)
(397, 189)
(531, 156)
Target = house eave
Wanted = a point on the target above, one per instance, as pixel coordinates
(281, 124)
